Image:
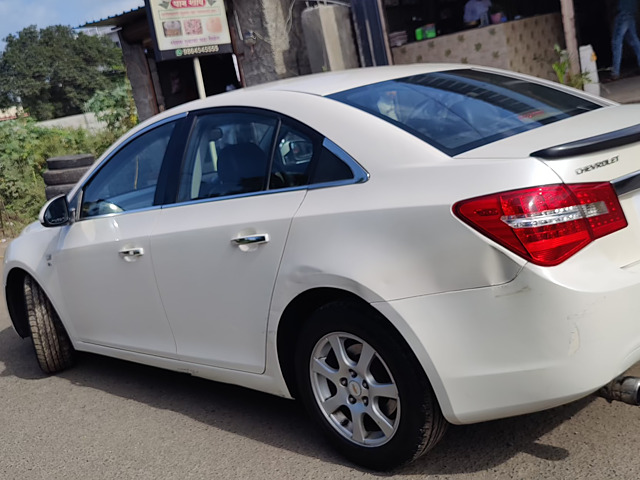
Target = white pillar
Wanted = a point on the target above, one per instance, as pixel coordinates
(569, 25)
(199, 79)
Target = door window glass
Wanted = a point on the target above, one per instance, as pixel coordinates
(330, 168)
(292, 160)
(227, 155)
(128, 180)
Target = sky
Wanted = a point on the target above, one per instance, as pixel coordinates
(18, 14)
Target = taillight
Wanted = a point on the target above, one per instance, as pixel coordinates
(548, 224)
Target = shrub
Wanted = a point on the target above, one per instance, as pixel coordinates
(562, 68)
(24, 149)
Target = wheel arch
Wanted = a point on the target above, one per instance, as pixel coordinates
(299, 310)
(14, 294)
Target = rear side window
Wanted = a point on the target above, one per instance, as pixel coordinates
(459, 110)
(330, 169)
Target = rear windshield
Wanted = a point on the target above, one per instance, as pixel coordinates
(459, 110)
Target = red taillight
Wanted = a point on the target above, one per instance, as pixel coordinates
(548, 224)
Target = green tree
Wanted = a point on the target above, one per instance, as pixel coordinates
(115, 107)
(53, 71)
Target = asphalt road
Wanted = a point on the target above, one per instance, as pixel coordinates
(108, 419)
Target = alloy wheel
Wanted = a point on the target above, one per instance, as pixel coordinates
(354, 389)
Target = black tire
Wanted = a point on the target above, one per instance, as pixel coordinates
(62, 177)
(70, 161)
(415, 421)
(55, 190)
(53, 348)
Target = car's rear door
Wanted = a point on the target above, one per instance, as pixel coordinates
(217, 248)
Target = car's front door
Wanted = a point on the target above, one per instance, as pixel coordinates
(216, 252)
(104, 259)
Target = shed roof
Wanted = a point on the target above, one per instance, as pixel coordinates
(119, 20)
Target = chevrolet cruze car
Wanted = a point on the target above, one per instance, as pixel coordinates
(400, 248)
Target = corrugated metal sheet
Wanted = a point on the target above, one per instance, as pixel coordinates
(116, 20)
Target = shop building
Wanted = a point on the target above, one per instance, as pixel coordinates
(517, 35)
(272, 39)
(266, 44)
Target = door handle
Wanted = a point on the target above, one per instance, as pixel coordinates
(251, 239)
(131, 252)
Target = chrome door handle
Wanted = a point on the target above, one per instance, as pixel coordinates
(132, 252)
(251, 239)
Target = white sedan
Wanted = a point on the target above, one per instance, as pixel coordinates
(400, 248)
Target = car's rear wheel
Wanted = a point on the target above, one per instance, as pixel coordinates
(53, 348)
(361, 383)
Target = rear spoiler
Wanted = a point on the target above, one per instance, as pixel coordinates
(614, 139)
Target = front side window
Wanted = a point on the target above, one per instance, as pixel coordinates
(128, 179)
(459, 110)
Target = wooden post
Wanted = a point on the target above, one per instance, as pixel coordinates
(139, 75)
(570, 37)
(385, 34)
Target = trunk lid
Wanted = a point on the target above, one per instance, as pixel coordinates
(598, 146)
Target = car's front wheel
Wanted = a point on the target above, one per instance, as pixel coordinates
(365, 388)
(53, 348)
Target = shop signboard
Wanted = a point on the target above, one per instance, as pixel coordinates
(188, 28)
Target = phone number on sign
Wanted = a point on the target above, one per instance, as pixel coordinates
(197, 50)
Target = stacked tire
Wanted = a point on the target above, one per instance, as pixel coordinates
(64, 172)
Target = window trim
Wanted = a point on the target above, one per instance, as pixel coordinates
(272, 154)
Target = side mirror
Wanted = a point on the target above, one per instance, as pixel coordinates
(55, 212)
(300, 151)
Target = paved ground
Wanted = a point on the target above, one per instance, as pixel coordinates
(625, 90)
(107, 419)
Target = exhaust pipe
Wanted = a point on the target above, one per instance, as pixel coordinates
(622, 389)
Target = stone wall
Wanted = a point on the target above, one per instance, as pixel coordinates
(279, 50)
(88, 121)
